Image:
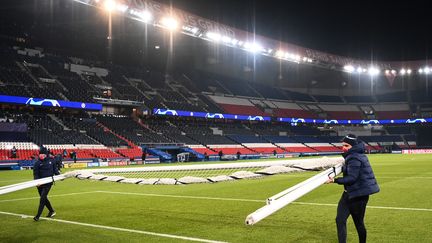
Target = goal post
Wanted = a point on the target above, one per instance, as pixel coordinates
(282, 199)
(28, 184)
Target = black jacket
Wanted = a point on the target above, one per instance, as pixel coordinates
(358, 177)
(58, 161)
(44, 168)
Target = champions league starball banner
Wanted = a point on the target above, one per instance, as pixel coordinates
(168, 112)
(347, 122)
(49, 102)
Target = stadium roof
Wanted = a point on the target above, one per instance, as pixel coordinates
(386, 30)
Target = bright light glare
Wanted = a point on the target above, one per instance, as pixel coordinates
(169, 23)
(109, 5)
(226, 39)
(280, 53)
(359, 70)
(121, 7)
(403, 71)
(214, 36)
(349, 68)
(253, 47)
(409, 71)
(373, 71)
(145, 15)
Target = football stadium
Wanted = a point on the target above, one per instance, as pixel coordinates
(154, 121)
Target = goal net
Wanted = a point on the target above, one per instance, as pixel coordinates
(187, 174)
(204, 173)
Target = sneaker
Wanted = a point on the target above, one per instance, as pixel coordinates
(36, 218)
(51, 214)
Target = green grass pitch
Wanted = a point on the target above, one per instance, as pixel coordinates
(401, 212)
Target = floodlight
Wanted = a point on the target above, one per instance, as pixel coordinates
(280, 54)
(234, 41)
(253, 47)
(420, 70)
(214, 36)
(226, 39)
(145, 15)
(403, 71)
(373, 71)
(426, 70)
(349, 68)
(169, 23)
(109, 5)
(409, 71)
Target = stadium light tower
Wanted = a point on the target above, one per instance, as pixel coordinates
(169, 23)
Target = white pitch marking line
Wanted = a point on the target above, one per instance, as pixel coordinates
(254, 200)
(116, 228)
(180, 196)
(55, 195)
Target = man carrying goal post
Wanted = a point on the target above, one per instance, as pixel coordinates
(359, 182)
(44, 167)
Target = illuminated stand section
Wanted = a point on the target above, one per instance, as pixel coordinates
(48, 102)
(168, 112)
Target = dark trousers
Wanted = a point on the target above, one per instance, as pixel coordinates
(356, 207)
(43, 192)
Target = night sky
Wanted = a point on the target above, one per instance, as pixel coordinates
(380, 30)
(384, 30)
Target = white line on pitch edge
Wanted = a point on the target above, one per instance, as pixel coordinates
(181, 196)
(254, 200)
(116, 228)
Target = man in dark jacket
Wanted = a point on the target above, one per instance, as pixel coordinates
(359, 182)
(58, 161)
(44, 167)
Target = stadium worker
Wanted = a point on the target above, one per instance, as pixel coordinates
(58, 161)
(44, 167)
(359, 182)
